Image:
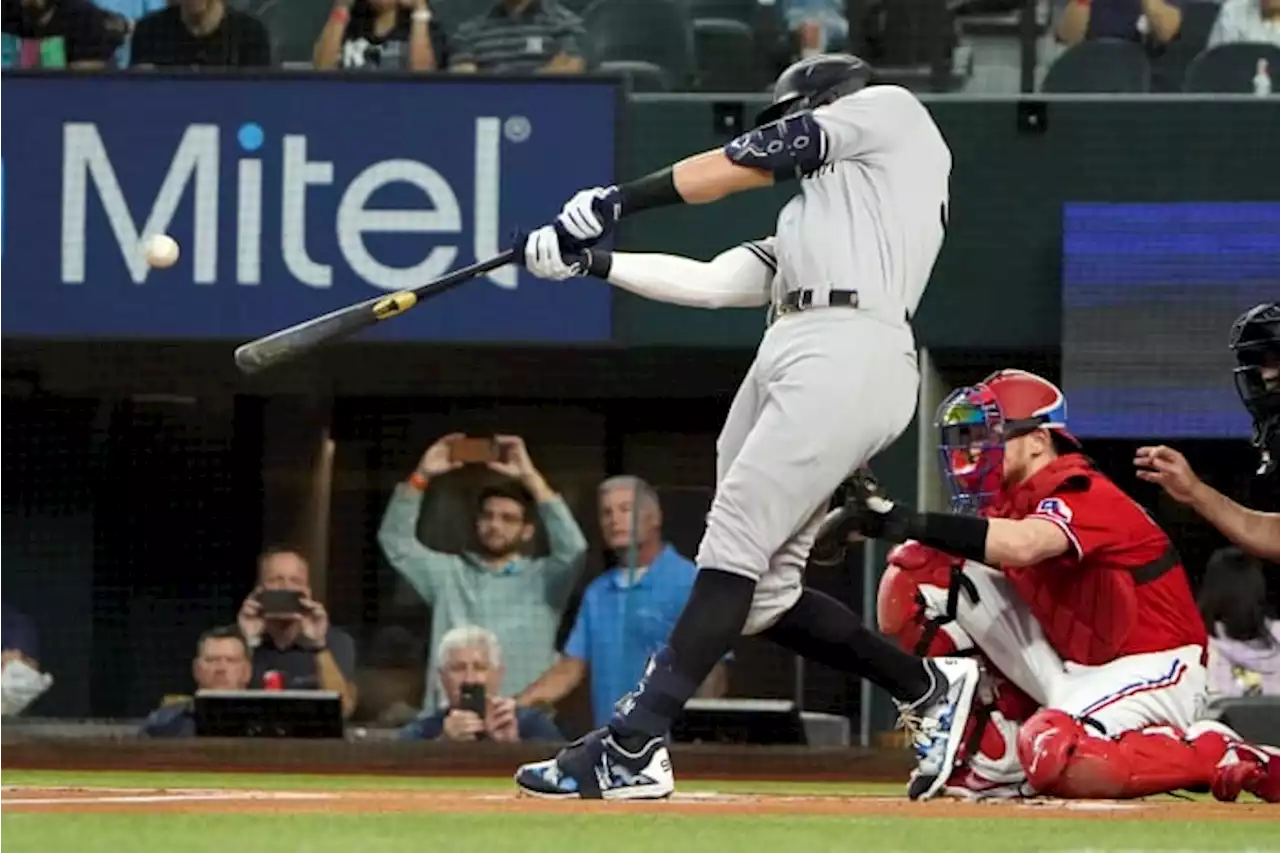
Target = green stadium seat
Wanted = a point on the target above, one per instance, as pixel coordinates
(1100, 66)
(745, 11)
(658, 32)
(641, 76)
(1230, 68)
(726, 56)
(294, 26)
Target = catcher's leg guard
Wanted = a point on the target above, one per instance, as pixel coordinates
(1063, 758)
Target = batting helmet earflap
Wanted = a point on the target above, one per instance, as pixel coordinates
(1255, 341)
(815, 81)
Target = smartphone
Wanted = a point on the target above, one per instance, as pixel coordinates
(474, 450)
(277, 602)
(473, 699)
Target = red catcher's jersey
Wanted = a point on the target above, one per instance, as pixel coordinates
(1120, 589)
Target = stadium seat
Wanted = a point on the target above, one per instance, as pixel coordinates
(653, 31)
(1230, 68)
(1169, 69)
(744, 11)
(641, 76)
(294, 26)
(726, 56)
(1100, 66)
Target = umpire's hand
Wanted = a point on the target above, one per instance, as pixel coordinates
(545, 258)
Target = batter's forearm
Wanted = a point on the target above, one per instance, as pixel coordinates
(1254, 531)
(682, 281)
(700, 179)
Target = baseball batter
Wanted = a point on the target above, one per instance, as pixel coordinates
(833, 383)
(1090, 612)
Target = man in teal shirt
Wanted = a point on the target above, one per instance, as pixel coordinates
(520, 599)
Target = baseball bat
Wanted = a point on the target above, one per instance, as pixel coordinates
(259, 354)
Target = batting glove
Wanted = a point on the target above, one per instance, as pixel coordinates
(591, 214)
(545, 257)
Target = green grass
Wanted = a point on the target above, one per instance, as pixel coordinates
(526, 833)
(545, 833)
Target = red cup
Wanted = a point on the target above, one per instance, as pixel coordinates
(272, 680)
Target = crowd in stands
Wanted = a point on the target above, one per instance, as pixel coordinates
(494, 668)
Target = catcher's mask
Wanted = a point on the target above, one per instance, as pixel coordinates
(976, 421)
(1255, 340)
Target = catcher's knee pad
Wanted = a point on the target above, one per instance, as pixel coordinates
(905, 614)
(1046, 743)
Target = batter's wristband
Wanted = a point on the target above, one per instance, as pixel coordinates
(960, 535)
(599, 262)
(654, 190)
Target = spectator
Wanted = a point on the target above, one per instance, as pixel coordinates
(200, 33)
(1244, 644)
(378, 34)
(18, 635)
(626, 613)
(307, 652)
(471, 656)
(60, 34)
(520, 598)
(820, 25)
(1151, 22)
(21, 681)
(1247, 21)
(131, 11)
(521, 37)
(221, 663)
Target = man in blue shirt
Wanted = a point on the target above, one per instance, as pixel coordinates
(627, 613)
(471, 672)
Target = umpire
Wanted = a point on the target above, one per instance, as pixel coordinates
(1255, 340)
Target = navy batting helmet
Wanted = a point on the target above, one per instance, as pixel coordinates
(1255, 340)
(815, 81)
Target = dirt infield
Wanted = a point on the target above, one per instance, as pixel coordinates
(160, 800)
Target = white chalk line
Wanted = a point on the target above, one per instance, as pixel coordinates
(81, 797)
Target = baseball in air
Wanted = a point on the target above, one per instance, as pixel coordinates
(162, 251)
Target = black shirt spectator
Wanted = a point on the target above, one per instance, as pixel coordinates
(200, 33)
(296, 661)
(382, 35)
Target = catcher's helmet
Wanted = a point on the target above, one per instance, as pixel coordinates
(1255, 340)
(976, 421)
(815, 81)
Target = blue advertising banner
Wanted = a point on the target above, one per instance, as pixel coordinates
(1149, 293)
(291, 196)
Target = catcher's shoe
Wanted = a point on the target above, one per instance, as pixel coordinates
(1248, 768)
(596, 767)
(968, 784)
(937, 723)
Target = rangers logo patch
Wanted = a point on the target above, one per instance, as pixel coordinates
(1054, 508)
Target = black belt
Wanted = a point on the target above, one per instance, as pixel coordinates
(799, 300)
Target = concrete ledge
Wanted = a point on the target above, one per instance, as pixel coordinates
(29, 751)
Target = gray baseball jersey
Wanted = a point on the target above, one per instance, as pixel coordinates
(830, 387)
(873, 218)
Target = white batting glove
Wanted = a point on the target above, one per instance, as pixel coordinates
(590, 214)
(542, 256)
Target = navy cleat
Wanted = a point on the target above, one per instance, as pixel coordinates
(937, 724)
(596, 767)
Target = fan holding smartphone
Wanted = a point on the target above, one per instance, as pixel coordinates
(288, 632)
(471, 671)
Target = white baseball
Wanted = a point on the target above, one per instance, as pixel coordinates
(162, 251)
